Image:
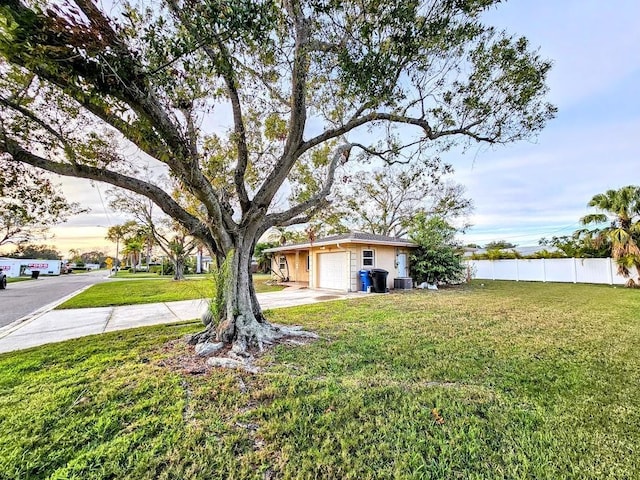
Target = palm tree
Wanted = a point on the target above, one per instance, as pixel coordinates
(621, 208)
(117, 233)
(133, 247)
(263, 258)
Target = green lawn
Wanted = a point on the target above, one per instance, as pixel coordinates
(133, 292)
(127, 274)
(18, 279)
(505, 381)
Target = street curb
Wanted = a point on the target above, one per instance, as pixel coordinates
(17, 324)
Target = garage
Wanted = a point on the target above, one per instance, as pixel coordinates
(331, 271)
(333, 262)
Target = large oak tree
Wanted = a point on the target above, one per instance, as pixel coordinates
(237, 97)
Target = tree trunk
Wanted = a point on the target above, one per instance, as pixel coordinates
(243, 324)
(178, 267)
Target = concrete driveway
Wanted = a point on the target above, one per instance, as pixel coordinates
(57, 325)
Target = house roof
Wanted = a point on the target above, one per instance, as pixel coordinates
(352, 237)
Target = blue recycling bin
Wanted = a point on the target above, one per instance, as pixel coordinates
(365, 279)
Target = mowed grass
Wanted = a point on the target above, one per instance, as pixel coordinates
(127, 274)
(134, 292)
(18, 279)
(505, 381)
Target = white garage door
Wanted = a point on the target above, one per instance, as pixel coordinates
(331, 271)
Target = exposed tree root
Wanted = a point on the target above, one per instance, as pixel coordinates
(250, 338)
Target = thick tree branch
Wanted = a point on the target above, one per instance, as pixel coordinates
(299, 220)
(159, 196)
(298, 117)
(240, 136)
(429, 133)
(281, 218)
(360, 121)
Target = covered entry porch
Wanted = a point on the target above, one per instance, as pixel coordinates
(291, 266)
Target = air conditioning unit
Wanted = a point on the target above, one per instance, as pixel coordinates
(403, 283)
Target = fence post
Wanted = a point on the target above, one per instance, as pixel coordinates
(517, 272)
(610, 271)
(575, 271)
(544, 271)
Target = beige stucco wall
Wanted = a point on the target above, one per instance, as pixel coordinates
(384, 258)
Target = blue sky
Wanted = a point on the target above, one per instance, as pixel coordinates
(528, 190)
(533, 189)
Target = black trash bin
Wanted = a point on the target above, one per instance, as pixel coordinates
(35, 273)
(379, 280)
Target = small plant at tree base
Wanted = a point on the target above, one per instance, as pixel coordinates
(220, 277)
(437, 258)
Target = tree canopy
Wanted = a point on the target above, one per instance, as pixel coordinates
(385, 201)
(45, 252)
(583, 243)
(499, 245)
(30, 204)
(243, 101)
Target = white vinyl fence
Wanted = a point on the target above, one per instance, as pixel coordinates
(571, 270)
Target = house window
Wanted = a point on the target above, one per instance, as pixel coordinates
(368, 258)
(308, 262)
(283, 262)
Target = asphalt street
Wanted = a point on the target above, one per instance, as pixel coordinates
(24, 298)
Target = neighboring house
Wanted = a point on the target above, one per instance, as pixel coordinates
(334, 262)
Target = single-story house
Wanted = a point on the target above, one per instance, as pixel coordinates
(334, 262)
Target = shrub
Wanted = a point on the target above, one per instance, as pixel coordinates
(437, 258)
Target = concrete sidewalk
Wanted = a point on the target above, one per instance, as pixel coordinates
(57, 325)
